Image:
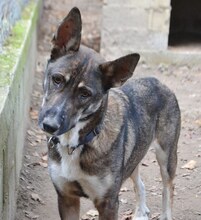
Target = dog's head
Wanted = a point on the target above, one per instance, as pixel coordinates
(77, 78)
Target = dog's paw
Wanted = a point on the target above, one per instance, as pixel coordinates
(141, 213)
(166, 216)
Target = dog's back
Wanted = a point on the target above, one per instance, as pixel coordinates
(150, 111)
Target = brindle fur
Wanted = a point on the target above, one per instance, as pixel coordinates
(82, 97)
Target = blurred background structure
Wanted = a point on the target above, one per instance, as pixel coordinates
(162, 30)
(10, 12)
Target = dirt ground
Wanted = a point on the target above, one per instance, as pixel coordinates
(37, 198)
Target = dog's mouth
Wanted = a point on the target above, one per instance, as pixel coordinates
(61, 130)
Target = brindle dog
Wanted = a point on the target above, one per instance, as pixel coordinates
(101, 133)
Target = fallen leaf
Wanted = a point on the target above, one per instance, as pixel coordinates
(22, 178)
(190, 165)
(38, 140)
(44, 153)
(90, 215)
(27, 157)
(127, 215)
(155, 216)
(35, 154)
(33, 164)
(31, 133)
(185, 174)
(45, 158)
(154, 193)
(34, 114)
(145, 164)
(124, 189)
(36, 94)
(33, 143)
(30, 187)
(31, 215)
(198, 122)
(36, 197)
(198, 213)
(41, 137)
(124, 201)
(85, 217)
(43, 164)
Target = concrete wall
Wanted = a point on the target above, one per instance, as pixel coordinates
(134, 25)
(10, 12)
(17, 66)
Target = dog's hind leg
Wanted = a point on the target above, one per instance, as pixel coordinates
(166, 154)
(167, 179)
(141, 211)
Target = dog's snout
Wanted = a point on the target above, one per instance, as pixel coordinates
(50, 128)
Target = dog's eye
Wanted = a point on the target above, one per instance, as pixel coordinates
(57, 79)
(84, 93)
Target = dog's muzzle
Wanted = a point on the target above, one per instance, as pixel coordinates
(50, 128)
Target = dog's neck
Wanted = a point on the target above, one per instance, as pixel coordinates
(85, 131)
(94, 123)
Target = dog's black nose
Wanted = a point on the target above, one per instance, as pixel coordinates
(50, 128)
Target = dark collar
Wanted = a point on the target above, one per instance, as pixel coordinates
(54, 140)
(90, 136)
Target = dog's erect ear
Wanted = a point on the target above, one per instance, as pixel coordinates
(115, 73)
(68, 35)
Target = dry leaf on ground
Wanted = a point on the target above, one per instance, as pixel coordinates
(90, 215)
(34, 114)
(124, 201)
(43, 164)
(35, 154)
(31, 215)
(145, 164)
(127, 215)
(190, 165)
(36, 197)
(45, 158)
(31, 133)
(198, 122)
(124, 189)
(155, 216)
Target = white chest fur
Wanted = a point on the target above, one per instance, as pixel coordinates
(69, 170)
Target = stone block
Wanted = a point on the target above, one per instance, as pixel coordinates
(141, 25)
(160, 3)
(159, 20)
(130, 3)
(134, 38)
(139, 4)
(126, 17)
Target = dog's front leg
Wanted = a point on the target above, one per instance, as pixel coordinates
(69, 207)
(107, 208)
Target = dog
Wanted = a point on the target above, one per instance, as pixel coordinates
(100, 123)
